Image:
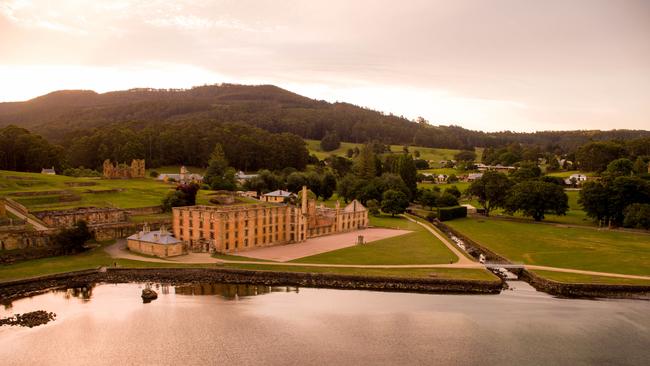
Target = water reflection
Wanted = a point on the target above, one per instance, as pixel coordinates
(83, 293)
(230, 291)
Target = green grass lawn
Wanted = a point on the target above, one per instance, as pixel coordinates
(426, 153)
(567, 173)
(93, 258)
(580, 278)
(418, 247)
(574, 216)
(462, 186)
(564, 247)
(445, 273)
(119, 193)
(97, 257)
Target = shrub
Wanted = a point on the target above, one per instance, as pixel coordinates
(637, 215)
(446, 200)
(154, 174)
(450, 213)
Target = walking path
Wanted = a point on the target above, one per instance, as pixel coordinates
(36, 224)
(462, 259)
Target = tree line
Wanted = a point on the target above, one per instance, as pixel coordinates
(246, 147)
(58, 115)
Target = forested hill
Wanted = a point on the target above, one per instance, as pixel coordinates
(62, 114)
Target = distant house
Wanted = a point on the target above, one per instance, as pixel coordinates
(575, 179)
(159, 243)
(442, 178)
(48, 171)
(184, 177)
(243, 177)
(473, 176)
(277, 196)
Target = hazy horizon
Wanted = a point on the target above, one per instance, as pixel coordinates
(491, 66)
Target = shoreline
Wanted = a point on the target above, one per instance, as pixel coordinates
(12, 290)
(16, 289)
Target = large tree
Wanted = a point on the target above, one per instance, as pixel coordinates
(394, 202)
(330, 141)
(595, 156)
(491, 190)
(536, 198)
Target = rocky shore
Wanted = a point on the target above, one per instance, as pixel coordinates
(178, 276)
(31, 319)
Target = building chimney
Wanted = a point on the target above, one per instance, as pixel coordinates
(304, 200)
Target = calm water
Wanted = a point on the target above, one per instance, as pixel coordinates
(222, 324)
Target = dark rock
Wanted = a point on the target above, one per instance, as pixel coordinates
(149, 295)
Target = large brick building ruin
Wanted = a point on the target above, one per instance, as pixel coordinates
(239, 228)
(123, 171)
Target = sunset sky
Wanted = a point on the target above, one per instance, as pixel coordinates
(489, 65)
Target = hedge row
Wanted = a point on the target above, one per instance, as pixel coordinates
(450, 213)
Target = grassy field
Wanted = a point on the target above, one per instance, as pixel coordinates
(567, 174)
(418, 247)
(60, 192)
(581, 278)
(565, 247)
(445, 273)
(97, 257)
(120, 193)
(462, 186)
(93, 258)
(426, 153)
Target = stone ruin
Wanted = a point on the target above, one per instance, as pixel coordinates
(123, 171)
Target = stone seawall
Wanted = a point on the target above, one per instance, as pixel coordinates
(475, 248)
(581, 290)
(178, 276)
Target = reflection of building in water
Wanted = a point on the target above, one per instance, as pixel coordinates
(84, 292)
(229, 291)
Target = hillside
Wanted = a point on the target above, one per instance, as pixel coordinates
(58, 116)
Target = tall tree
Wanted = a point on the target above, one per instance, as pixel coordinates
(491, 190)
(394, 202)
(408, 172)
(365, 165)
(536, 198)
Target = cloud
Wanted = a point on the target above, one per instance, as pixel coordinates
(512, 64)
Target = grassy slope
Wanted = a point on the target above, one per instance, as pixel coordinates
(564, 247)
(91, 259)
(418, 247)
(426, 153)
(133, 192)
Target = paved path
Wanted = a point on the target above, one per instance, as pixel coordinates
(36, 224)
(590, 273)
(462, 259)
(322, 244)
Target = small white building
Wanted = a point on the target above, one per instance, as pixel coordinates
(159, 243)
(243, 177)
(576, 179)
(48, 171)
(473, 176)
